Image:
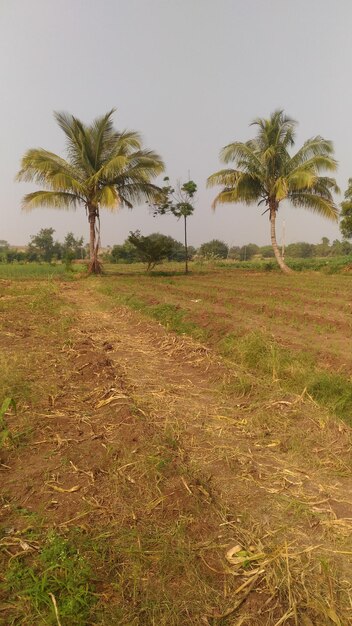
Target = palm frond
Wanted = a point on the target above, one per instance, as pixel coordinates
(48, 169)
(243, 154)
(315, 203)
(314, 165)
(227, 177)
(280, 188)
(312, 150)
(50, 199)
(111, 169)
(134, 193)
(109, 198)
(247, 189)
(278, 129)
(130, 138)
(301, 179)
(101, 132)
(325, 185)
(348, 192)
(79, 146)
(226, 196)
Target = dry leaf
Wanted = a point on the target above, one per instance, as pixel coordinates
(231, 552)
(62, 490)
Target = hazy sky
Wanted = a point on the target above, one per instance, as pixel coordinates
(190, 75)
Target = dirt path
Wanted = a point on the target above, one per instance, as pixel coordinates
(238, 452)
(149, 434)
(181, 385)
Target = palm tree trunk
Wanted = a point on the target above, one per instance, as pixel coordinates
(273, 208)
(94, 264)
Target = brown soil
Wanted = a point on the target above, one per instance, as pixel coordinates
(133, 398)
(291, 315)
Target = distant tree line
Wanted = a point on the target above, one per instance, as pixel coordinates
(155, 248)
(42, 247)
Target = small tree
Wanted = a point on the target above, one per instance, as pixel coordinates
(323, 248)
(125, 253)
(73, 248)
(152, 249)
(346, 212)
(248, 251)
(340, 248)
(214, 248)
(267, 252)
(44, 246)
(4, 250)
(234, 253)
(300, 250)
(178, 203)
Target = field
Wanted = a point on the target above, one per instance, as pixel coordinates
(178, 448)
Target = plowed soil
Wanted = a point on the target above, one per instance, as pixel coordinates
(144, 439)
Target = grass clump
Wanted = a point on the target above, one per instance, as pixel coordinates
(293, 371)
(333, 391)
(5, 433)
(59, 571)
(172, 316)
(15, 379)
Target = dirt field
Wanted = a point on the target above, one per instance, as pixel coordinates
(311, 312)
(155, 478)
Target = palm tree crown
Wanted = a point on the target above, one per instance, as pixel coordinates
(266, 173)
(104, 168)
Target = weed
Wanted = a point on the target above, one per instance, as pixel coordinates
(294, 371)
(5, 433)
(60, 571)
(333, 391)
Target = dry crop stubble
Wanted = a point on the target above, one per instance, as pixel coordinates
(240, 316)
(178, 461)
(201, 450)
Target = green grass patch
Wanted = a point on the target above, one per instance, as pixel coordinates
(172, 316)
(38, 271)
(326, 265)
(59, 569)
(293, 371)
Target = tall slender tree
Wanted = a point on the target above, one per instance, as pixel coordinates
(104, 168)
(266, 173)
(178, 202)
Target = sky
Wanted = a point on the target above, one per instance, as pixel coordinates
(190, 75)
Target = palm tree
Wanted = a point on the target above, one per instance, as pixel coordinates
(104, 168)
(267, 174)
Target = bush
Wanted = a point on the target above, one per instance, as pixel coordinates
(214, 249)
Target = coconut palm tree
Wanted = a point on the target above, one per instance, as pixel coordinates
(266, 173)
(104, 168)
